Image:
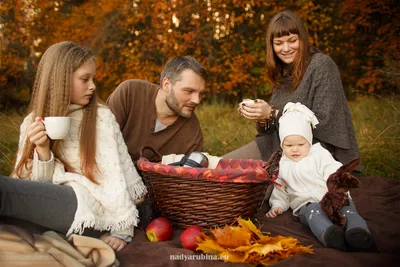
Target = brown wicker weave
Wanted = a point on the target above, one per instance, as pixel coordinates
(187, 201)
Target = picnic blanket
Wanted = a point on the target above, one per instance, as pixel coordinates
(20, 247)
(377, 200)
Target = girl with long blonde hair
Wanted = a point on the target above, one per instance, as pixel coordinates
(85, 181)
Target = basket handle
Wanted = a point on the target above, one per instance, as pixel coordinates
(272, 165)
(155, 152)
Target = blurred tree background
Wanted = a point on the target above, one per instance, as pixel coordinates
(135, 38)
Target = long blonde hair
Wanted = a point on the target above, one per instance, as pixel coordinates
(51, 96)
(282, 24)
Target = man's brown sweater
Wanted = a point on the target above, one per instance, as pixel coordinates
(133, 104)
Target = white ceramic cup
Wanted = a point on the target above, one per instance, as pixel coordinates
(57, 127)
(247, 102)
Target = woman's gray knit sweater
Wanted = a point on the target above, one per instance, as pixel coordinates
(321, 91)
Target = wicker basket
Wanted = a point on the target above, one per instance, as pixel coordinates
(187, 201)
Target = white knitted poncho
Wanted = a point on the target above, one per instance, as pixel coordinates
(108, 206)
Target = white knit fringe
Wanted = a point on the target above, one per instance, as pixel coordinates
(137, 190)
(78, 226)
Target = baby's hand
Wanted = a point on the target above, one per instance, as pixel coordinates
(116, 243)
(272, 213)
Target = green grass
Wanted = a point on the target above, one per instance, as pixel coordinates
(377, 125)
(223, 129)
(376, 121)
(9, 133)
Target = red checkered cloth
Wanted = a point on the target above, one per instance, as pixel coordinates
(227, 170)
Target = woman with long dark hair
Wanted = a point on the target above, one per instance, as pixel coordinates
(299, 72)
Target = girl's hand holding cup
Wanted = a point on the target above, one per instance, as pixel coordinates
(40, 132)
(37, 135)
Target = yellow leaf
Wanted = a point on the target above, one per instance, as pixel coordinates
(248, 224)
(232, 237)
(265, 249)
(232, 256)
(209, 246)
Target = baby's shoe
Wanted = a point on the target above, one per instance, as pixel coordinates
(334, 237)
(360, 239)
(357, 234)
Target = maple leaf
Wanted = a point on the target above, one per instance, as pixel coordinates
(209, 246)
(264, 249)
(248, 224)
(233, 256)
(232, 237)
(246, 243)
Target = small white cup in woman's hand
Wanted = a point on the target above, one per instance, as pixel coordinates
(245, 102)
(57, 127)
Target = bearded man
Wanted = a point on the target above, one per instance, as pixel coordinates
(162, 116)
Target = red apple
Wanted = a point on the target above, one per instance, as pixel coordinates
(159, 229)
(189, 237)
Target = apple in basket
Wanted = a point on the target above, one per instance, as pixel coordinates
(159, 229)
(189, 237)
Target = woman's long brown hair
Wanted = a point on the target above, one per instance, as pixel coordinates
(283, 24)
(51, 96)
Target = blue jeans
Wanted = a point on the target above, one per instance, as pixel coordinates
(314, 217)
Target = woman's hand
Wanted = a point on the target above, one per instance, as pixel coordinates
(259, 110)
(38, 136)
(115, 243)
(272, 213)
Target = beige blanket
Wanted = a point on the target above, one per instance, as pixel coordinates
(18, 247)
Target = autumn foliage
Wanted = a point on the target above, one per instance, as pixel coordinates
(134, 39)
(245, 243)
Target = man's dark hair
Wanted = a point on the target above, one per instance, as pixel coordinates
(175, 66)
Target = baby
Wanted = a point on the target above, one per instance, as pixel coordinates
(303, 171)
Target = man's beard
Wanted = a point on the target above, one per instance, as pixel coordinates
(173, 105)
